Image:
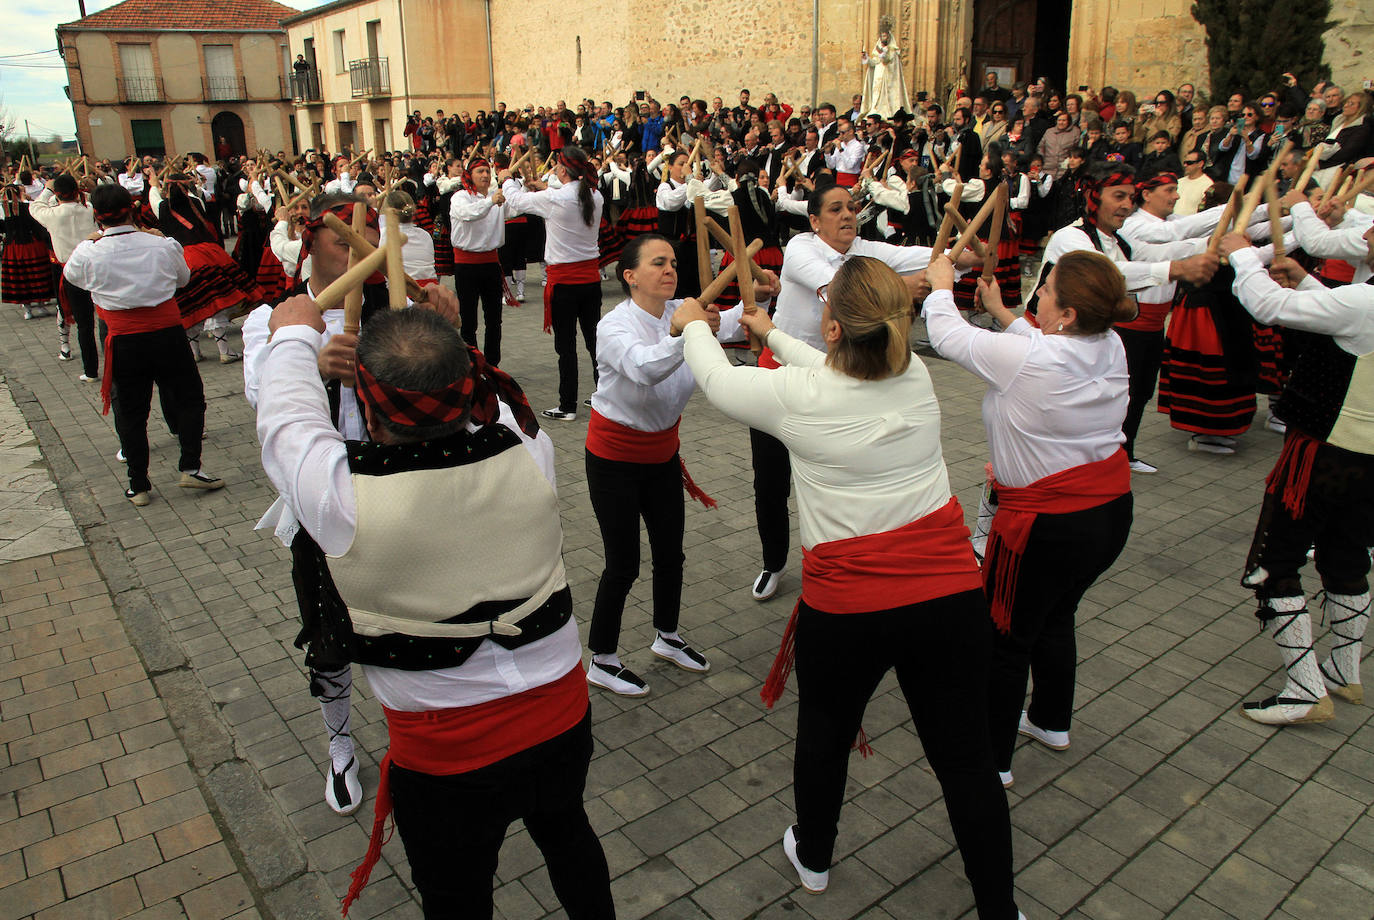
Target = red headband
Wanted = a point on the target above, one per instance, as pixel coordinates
(412, 408)
(468, 184)
(578, 169)
(1092, 192)
(1155, 181)
(343, 212)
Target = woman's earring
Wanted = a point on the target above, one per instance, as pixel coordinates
(1061, 327)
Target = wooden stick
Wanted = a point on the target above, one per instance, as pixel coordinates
(281, 199)
(1308, 169)
(727, 274)
(281, 174)
(362, 248)
(999, 216)
(1331, 189)
(518, 160)
(703, 242)
(746, 278)
(395, 267)
(1271, 198)
(1256, 193)
(350, 282)
(974, 225)
(1227, 216)
(961, 225)
(727, 242)
(353, 298)
(947, 224)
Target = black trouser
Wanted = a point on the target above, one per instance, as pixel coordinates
(772, 485)
(480, 281)
(83, 313)
(621, 494)
(512, 252)
(1144, 351)
(453, 828)
(940, 650)
(1065, 554)
(141, 359)
(574, 305)
(1337, 519)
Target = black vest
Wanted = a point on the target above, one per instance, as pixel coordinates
(1317, 389)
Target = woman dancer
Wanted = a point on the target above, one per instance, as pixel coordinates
(1055, 403)
(478, 233)
(633, 466)
(887, 568)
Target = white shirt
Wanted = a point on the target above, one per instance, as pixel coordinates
(305, 458)
(207, 180)
(847, 158)
(67, 222)
(34, 189)
(133, 182)
(1345, 313)
(1053, 401)
(127, 270)
(476, 224)
(1345, 242)
(644, 383)
(344, 183)
(809, 263)
(417, 250)
(287, 250)
(1149, 263)
(866, 454)
(568, 239)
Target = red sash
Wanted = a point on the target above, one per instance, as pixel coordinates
(930, 557)
(585, 272)
(1337, 270)
(611, 440)
(846, 180)
(768, 359)
(127, 322)
(444, 742)
(467, 257)
(1074, 489)
(1151, 318)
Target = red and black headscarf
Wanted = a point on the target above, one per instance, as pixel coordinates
(1155, 181)
(468, 184)
(578, 168)
(343, 212)
(1092, 190)
(477, 393)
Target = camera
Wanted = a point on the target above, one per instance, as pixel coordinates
(922, 96)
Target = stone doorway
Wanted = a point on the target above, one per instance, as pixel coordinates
(1020, 40)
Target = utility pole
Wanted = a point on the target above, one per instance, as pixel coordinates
(33, 157)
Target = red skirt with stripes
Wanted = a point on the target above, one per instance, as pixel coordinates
(272, 278)
(1007, 273)
(633, 222)
(443, 251)
(610, 243)
(769, 257)
(28, 273)
(217, 284)
(1198, 389)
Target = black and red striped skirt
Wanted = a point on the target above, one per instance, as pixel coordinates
(272, 278)
(1272, 373)
(27, 272)
(1007, 273)
(610, 242)
(217, 284)
(1206, 385)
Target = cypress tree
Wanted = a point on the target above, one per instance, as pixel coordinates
(1252, 43)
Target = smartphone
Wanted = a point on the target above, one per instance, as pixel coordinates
(922, 96)
(640, 95)
(1083, 88)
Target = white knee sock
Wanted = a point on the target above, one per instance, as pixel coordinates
(1291, 628)
(1348, 615)
(336, 707)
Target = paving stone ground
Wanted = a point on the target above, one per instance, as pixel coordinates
(1169, 803)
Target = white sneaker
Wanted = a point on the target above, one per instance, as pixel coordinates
(679, 653)
(813, 882)
(1007, 779)
(1274, 423)
(1055, 741)
(559, 414)
(766, 585)
(342, 791)
(621, 680)
(1197, 443)
(119, 455)
(1140, 466)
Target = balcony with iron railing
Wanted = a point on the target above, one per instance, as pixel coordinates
(137, 89)
(226, 88)
(305, 87)
(370, 77)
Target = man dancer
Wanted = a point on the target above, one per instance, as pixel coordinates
(132, 278)
(68, 220)
(487, 710)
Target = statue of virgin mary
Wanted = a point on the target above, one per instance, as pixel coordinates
(884, 84)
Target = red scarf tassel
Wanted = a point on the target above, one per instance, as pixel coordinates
(782, 664)
(694, 490)
(1293, 472)
(380, 835)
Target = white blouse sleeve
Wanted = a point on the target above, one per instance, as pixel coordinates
(996, 357)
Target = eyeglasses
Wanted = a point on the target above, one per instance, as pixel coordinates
(1161, 102)
(999, 111)
(1191, 162)
(822, 293)
(1268, 105)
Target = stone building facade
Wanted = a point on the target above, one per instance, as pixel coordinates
(176, 76)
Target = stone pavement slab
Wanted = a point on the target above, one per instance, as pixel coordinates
(1169, 803)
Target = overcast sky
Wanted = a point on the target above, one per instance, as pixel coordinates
(31, 71)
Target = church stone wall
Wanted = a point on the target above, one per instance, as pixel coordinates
(1350, 44)
(1140, 45)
